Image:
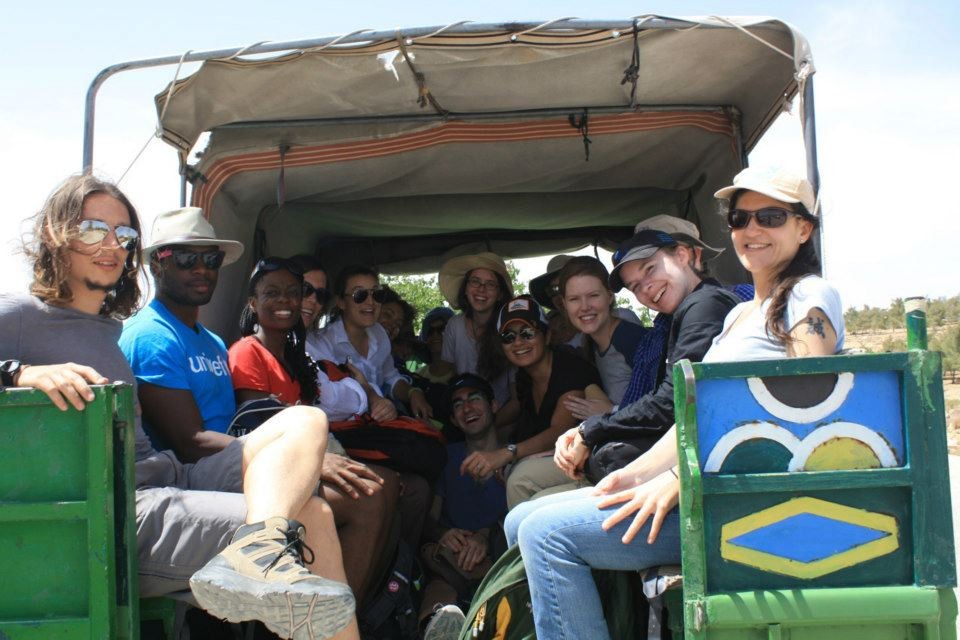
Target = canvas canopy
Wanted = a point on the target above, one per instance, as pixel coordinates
(402, 149)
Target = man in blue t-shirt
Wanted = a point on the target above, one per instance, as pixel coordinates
(470, 510)
(183, 381)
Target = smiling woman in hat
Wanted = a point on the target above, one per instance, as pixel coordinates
(794, 313)
(477, 285)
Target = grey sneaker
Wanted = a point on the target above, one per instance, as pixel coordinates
(261, 576)
(445, 624)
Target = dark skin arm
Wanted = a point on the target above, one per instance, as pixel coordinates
(176, 417)
(249, 394)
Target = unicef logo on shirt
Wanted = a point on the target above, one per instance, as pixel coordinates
(203, 364)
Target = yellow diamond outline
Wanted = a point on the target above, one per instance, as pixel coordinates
(794, 568)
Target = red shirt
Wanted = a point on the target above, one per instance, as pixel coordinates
(253, 367)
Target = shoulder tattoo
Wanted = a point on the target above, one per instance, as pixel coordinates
(815, 327)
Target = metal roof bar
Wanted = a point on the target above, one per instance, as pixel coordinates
(650, 23)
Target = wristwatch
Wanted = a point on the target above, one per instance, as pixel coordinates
(8, 372)
(512, 448)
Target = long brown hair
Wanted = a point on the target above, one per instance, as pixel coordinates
(491, 363)
(49, 246)
(806, 262)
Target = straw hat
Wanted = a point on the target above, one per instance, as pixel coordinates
(454, 270)
(187, 226)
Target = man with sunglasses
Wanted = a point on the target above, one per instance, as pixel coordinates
(246, 523)
(183, 379)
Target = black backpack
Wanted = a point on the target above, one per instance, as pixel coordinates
(393, 610)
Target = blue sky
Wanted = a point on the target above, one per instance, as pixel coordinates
(887, 93)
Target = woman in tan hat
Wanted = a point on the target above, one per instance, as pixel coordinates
(794, 313)
(477, 285)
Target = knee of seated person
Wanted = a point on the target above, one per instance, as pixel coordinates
(307, 422)
(318, 510)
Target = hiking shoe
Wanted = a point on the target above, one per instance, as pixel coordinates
(261, 576)
(445, 623)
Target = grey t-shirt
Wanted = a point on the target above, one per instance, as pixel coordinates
(40, 334)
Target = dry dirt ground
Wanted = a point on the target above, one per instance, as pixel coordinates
(874, 341)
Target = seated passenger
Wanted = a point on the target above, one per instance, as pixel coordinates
(431, 334)
(356, 338)
(470, 511)
(271, 358)
(794, 313)
(545, 376)
(545, 289)
(477, 285)
(690, 310)
(396, 317)
(238, 521)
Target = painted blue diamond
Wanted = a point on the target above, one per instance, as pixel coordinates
(807, 537)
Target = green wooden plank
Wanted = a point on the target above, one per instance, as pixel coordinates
(934, 558)
(47, 629)
(125, 532)
(42, 511)
(800, 366)
(866, 605)
(716, 484)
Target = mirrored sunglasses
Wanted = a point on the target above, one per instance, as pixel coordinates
(360, 295)
(769, 217)
(96, 231)
(187, 259)
(526, 334)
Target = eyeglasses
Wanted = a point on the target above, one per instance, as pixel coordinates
(322, 295)
(477, 283)
(472, 398)
(552, 290)
(360, 295)
(526, 334)
(96, 231)
(768, 217)
(186, 259)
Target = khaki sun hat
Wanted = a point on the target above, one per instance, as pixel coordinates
(682, 231)
(187, 226)
(780, 184)
(455, 270)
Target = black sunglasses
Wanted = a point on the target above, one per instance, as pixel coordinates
(322, 295)
(96, 231)
(360, 295)
(769, 217)
(266, 265)
(552, 290)
(526, 334)
(186, 259)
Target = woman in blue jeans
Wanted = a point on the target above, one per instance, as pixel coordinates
(794, 313)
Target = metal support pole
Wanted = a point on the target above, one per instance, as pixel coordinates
(813, 169)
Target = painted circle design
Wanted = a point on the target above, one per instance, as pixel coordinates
(802, 415)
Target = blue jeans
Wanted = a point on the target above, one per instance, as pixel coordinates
(561, 541)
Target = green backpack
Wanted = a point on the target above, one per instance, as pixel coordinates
(501, 608)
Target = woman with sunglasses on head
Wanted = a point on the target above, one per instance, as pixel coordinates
(271, 357)
(794, 313)
(545, 376)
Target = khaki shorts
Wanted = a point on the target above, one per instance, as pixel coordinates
(186, 514)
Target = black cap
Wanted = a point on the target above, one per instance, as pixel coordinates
(640, 246)
(469, 381)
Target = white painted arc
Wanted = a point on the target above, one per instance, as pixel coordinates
(802, 415)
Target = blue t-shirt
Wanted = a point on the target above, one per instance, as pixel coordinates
(468, 504)
(165, 352)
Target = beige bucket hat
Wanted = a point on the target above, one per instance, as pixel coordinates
(682, 230)
(454, 270)
(187, 226)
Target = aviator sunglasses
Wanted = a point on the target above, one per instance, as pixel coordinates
(186, 259)
(96, 231)
(526, 334)
(360, 295)
(768, 217)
